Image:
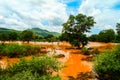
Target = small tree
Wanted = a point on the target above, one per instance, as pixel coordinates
(4, 37)
(50, 38)
(106, 35)
(26, 35)
(93, 37)
(13, 35)
(75, 28)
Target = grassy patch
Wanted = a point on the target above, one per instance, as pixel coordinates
(15, 50)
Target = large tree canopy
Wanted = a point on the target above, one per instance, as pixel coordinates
(106, 35)
(75, 28)
(4, 36)
(26, 35)
(13, 35)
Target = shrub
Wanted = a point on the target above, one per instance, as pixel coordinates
(15, 50)
(107, 65)
(85, 51)
(94, 51)
(33, 69)
(28, 75)
(2, 46)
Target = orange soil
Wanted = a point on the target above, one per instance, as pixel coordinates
(102, 46)
(5, 61)
(74, 64)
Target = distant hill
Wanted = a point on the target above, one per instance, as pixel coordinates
(3, 29)
(6, 30)
(44, 32)
(38, 31)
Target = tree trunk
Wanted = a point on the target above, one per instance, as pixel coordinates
(82, 46)
(28, 42)
(78, 45)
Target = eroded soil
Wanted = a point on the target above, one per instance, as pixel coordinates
(74, 65)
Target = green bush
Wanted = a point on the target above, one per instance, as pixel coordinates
(85, 51)
(15, 50)
(107, 65)
(28, 75)
(2, 46)
(33, 69)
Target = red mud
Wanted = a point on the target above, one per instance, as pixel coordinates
(72, 60)
(74, 65)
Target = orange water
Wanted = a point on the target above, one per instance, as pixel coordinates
(74, 65)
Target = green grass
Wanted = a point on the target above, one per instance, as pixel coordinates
(15, 50)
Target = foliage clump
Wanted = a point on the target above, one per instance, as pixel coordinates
(75, 28)
(90, 51)
(26, 35)
(85, 51)
(107, 35)
(16, 50)
(107, 65)
(33, 69)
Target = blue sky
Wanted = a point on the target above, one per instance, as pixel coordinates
(50, 14)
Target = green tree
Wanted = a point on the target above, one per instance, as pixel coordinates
(26, 35)
(50, 38)
(36, 37)
(75, 28)
(106, 35)
(13, 35)
(118, 31)
(4, 37)
(63, 37)
(93, 37)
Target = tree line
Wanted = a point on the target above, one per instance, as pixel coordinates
(108, 35)
(74, 31)
(25, 35)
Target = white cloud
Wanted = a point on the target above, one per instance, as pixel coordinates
(105, 15)
(1, 17)
(23, 14)
(67, 1)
